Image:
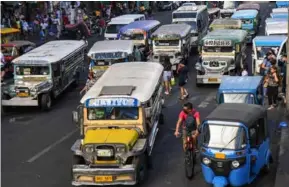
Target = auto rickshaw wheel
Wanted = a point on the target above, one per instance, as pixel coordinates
(142, 168)
(267, 167)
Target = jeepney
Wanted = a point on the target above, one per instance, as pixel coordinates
(249, 6)
(262, 44)
(172, 40)
(229, 8)
(118, 120)
(140, 32)
(105, 53)
(223, 53)
(250, 22)
(226, 24)
(44, 73)
(9, 34)
(275, 27)
(214, 13)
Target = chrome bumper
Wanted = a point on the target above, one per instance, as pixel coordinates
(17, 101)
(85, 170)
(208, 79)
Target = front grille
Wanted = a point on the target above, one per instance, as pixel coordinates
(214, 64)
(221, 167)
(104, 158)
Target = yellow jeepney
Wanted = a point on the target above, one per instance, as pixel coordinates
(9, 34)
(118, 120)
(225, 24)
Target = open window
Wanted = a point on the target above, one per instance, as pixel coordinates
(253, 136)
(258, 133)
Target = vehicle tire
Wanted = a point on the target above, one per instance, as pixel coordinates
(45, 102)
(190, 162)
(267, 167)
(141, 169)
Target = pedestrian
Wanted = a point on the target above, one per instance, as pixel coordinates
(167, 74)
(25, 28)
(101, 24)
(44, 27)
(283, 66)
(57, 23)
(273, 83)
(266, 64)
(183, 76)
(245, 70)
(90, 81)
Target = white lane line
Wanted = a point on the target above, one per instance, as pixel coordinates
(47, 149)
(207, 101)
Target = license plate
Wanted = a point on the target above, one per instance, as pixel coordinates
(22, 94)
(103, 179)
(220, 155)
(100, 67)
(104, 153)
(213, 80)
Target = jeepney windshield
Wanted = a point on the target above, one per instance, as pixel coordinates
(237, 98)
(223, 136)
(185, 15)
(113, 113)
(167, 42)
(114, 28)
(217, 49)
(247, 21)
(261, 51)
(133, 36)
(32, 70)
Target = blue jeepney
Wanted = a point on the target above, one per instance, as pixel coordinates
(235, 144)
(279, 15)
(236, 89)
(282, 4)
(262, 44)
(250, 22)
(139, 32)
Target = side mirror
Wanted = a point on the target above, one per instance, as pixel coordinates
(75, 117)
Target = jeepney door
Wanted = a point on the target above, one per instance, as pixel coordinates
(57, 81)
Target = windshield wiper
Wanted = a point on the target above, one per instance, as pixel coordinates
(228, 143)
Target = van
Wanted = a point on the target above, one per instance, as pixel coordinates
(115, 24)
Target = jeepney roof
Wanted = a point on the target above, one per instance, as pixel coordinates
(144, 76)
(226, 23)
(249, 6)
(143, 25)
(193, 8)
(245, 14)
(235, 35)
(247, 114)
(128, 16)
(51, 52)
(277, 28)
(18, 43)
(270, 41)
(279, 15)
(240, 83)
(108, 46)
(180, 30)
(9, 30)
(276, 10)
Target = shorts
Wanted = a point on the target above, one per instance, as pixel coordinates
(167, 75)
(182, 83)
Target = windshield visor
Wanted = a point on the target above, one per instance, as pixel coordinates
(261, 51)
(223, 137)
(238, 98)
(113, 113)
(134, 36)
(32, 70)
(184, 15)
(167, 42)
(114, 29)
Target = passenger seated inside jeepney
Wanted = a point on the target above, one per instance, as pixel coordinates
(113, 113)
(32, 70)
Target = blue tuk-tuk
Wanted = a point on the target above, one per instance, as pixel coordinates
(235, 144)
(250, 22)
(236, 89)
(262, 44)
(282, 4)
(279, 15)
(139, 31)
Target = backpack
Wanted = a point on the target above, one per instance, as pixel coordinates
(190, 121)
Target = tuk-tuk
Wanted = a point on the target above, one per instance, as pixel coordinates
(279, 15)
(140, 32)
(223, 52)
(250, 22)
(214, 13)
(262, 44)
(105, 53)
(276, 27)
(282, 4)
(241, 89)
(225, 24)
(9, 34)
(249, 6)
(235, 144)
(119, 119)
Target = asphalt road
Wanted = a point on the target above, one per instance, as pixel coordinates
(36, 146)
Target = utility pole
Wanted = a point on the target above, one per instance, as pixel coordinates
(287, 71)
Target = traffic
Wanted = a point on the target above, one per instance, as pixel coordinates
(207, 75)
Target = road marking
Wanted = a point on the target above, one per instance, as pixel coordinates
(47, 149)
(207, 101)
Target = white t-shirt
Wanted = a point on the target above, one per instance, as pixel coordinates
(2, 58)
(43, 26)
(25, 26)
(244, 73)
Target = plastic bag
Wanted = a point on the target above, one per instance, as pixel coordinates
(173, 81)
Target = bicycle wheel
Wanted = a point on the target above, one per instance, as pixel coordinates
(190, 161)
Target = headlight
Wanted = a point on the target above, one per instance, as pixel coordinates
(235, 164)
(206, 63)
(89, 149)
(206, 161)
(120, 149)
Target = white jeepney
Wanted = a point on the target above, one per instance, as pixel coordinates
(229, 8)
(171, 40)
(44, 72)
(276, 26)
(105, 53)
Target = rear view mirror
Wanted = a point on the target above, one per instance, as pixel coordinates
(75, 117)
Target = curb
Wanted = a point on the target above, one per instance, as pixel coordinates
(282, 173)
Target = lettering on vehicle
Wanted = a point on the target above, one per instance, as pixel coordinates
(112, 55)
(212, 42)
(112, 102)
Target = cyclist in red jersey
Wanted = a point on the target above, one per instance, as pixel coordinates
(189, 118)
